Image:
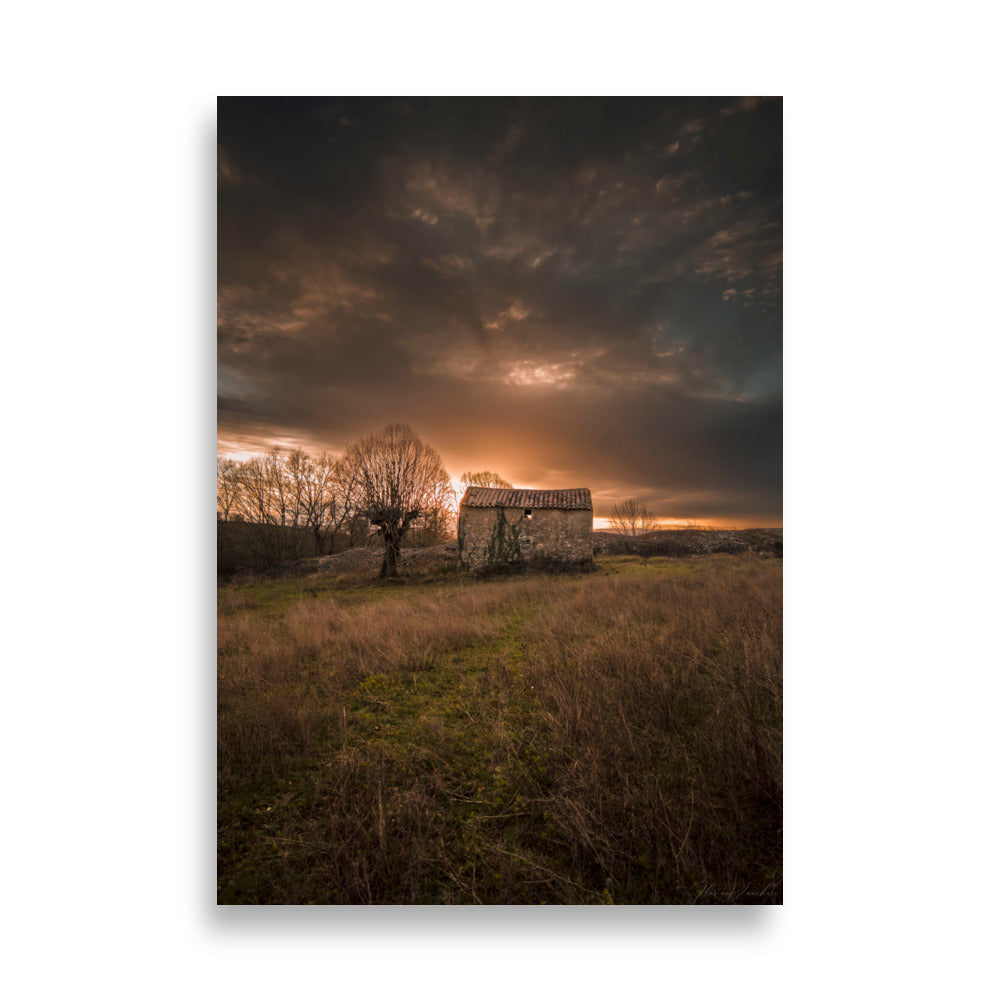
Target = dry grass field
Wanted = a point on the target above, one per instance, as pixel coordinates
(605, 737)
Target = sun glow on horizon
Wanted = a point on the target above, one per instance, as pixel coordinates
(692, 524)
(232, 451)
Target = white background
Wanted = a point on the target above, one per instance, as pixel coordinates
(108, 238)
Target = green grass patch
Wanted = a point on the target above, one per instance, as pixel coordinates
(613, 737)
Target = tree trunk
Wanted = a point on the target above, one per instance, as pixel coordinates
(390, 561)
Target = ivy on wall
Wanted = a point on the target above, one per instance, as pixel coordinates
(504, 545)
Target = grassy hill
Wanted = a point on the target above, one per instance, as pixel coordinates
(609, 737)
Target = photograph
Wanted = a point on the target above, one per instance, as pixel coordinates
(499, 501)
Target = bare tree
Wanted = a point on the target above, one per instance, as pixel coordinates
(631, 517)
(298, 471)
(227, 487)
(399, 480)
(346, 497)
(485, 478)
(436, 526)
(312, 486)
(253, 501)
(280, 487)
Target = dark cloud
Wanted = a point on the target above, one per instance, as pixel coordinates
(580, 291)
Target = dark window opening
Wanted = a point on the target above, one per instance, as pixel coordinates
(527, 515)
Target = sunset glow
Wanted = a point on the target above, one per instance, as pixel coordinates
(574, 293)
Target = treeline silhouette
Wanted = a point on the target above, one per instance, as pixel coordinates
(275, 507)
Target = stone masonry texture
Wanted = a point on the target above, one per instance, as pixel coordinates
(547, 533)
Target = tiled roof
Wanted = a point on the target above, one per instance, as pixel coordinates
(482, 496)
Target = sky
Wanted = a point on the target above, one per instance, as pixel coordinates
(573, 292)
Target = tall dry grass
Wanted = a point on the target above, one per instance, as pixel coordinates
(604, 738)
(279, 682)
(660, 705)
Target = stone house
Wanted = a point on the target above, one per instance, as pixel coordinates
(497, 527)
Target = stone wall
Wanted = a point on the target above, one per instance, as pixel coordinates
(488, 535)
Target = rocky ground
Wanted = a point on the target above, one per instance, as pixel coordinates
(689, 542)
(654, 543)
(369, 557)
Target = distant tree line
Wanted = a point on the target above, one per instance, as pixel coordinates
(630, 517)
(279, 506)
(293, 490)
(485, 478)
